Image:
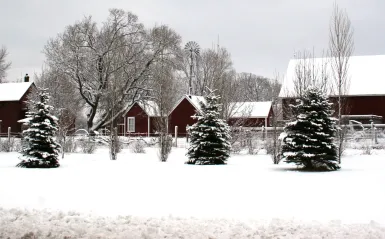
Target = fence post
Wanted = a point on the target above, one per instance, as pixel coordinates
(187, 133)
(176, 136)
(9, 139)
(372, 131)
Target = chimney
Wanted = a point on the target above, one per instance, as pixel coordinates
(26, 78)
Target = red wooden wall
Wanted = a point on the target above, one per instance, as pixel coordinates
(357, 105)
(141, 119)
(181, 117)
(13, 111)
(247, 122)
(10, 113)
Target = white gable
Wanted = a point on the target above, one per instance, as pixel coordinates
(250, 109)
(366, 74)
(13, 91)
(195, 101)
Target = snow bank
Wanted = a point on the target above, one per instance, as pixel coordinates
(137, 196)
(45, 224)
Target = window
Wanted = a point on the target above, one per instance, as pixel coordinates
(131, 124)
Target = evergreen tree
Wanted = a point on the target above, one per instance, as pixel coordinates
(309, 140)
(210, 135)
(40, 149)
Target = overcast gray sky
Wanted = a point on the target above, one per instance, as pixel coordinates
(261, 35)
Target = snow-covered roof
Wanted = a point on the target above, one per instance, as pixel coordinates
(150, 107)
(193, 99)
(250, 109)
(366, 74)
(13, 91)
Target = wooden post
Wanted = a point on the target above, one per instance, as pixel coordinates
(176, 136)
(372, 131)
(148, 127)
(9, 137)
(0, 127)
(187, 133)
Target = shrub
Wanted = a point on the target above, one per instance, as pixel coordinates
(138, 147)
(87, 146)
(9, 145)
(236, 148)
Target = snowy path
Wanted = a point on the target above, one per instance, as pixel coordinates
(248, 188)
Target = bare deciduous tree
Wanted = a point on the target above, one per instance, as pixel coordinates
(121, 50)
(310, 71)
(164, 87)
(341, 47)
(65, 100)
(4, 65)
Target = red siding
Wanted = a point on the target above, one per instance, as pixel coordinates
(247, 122)
(357, 105)
(181, 117)
(141, 119)
(13, 111)
(10, 113)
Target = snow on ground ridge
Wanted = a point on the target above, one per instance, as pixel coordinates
(45, 224)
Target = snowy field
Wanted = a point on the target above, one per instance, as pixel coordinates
(137, 196)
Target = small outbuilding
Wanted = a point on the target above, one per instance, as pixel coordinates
(182, 114)
(13, 107)
(250, 114)
(139, 119)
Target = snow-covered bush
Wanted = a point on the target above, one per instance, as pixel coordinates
(10, 145)
(310, 137)
(236, 147)
(87, 146)
(41, 149)
(138, 147)
(210, 135)
(69, 145)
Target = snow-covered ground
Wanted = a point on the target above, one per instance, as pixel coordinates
(138, 196)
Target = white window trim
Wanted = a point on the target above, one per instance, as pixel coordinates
(128, 124)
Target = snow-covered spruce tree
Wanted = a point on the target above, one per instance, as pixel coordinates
(41, 149)
(210, 135)
(309, 140)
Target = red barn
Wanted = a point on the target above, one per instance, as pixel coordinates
(139, 119)
(246, 114)
(13, 97)
(365, 94)
(250, 114)
(181, 114)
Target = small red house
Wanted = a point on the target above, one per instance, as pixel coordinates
(139, 119)
(13, 97)
(250, 114)
(181, 114)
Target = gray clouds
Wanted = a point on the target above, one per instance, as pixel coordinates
(260, 35)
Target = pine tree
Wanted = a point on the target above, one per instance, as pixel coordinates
(309, 140)
(209, 135)
(40, 149)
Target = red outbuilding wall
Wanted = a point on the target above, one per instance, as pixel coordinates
(11, 112)
(181, 117)
(357, 105)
